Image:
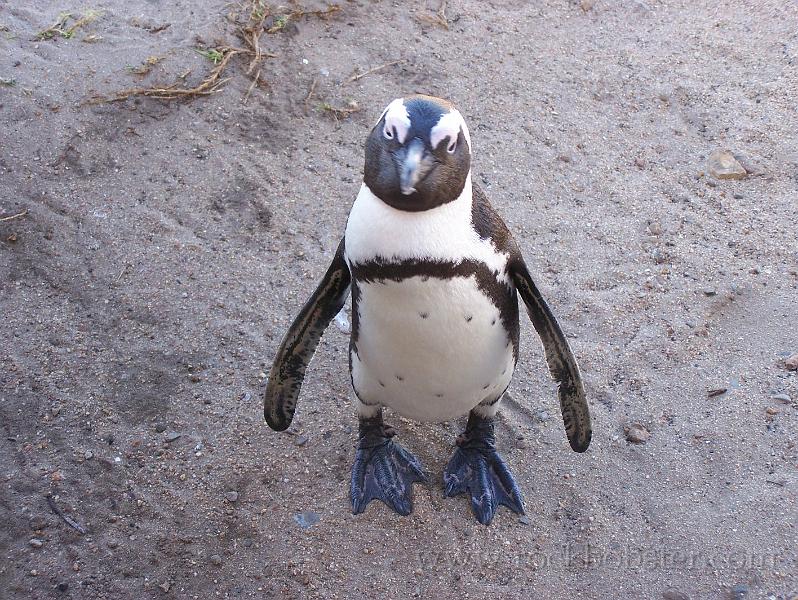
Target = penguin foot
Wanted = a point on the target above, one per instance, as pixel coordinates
(383, 469)
(477, 468)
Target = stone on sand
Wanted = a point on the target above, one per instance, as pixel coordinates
(723, 165)
(637, 434)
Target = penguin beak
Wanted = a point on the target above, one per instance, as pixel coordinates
(412, 169)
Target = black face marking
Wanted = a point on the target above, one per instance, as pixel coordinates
(501, 295)
(443, 173)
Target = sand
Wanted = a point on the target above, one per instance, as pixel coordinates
(153, 253)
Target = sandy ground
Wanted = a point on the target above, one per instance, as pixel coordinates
(167, 246)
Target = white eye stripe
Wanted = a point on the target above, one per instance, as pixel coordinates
(397, 120)
(449, 125)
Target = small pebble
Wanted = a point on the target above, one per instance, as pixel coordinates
(792, 363)
(739, 592)
(113, 544)
(782, 398)
(710, 292)
(88, 455)
(723, 165)
(307, 519)
(301, 440)
(637, 434)
(36, 542)
(165, 586)
(231, 496)
(172, 436)
(772, 411)
(524, 520)
(62, 587)
(160, 427)
(674, 594)
(216, 559)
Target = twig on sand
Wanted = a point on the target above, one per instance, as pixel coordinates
(358, 76)
(310, 94)
(340, 113)
(439, 18)
(60, 26)
(67, 519)
(251, 86)
(249, 29)
(207, 86)
(16, 216)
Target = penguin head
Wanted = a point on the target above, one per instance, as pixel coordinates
(418, 156)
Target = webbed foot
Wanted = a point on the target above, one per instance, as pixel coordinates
(383, 469)
(477, 468)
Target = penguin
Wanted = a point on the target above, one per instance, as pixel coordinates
(434, 276)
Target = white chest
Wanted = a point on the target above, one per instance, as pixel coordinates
(377, 231)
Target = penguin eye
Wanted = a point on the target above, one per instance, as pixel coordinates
(388, 133)
(452, 147)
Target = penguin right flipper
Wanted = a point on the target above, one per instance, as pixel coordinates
(299, 343)
(560, 358)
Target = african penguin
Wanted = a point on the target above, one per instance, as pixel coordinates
(434, 275)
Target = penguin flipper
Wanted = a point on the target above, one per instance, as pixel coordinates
(560, 358)
(300, 341)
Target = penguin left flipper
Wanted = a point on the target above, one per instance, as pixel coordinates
(560, 358)
(299, 343)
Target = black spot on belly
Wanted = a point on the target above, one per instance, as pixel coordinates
(468, 318)
(439, 395)
(423, 315)
(493, 322)
(486, 386)
(399, 378)
(502, 294)
(381, 383)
